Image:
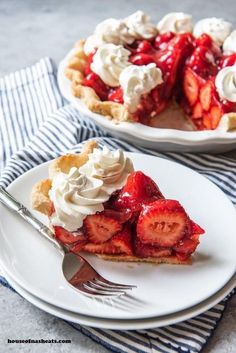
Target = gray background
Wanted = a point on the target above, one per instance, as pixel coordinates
(33, 29)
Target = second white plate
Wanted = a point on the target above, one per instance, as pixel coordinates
(161, 290)
(141, 324)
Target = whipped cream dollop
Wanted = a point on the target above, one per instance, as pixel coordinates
(229, 46)
(217, 28)
(120, 32)
(139, 26)
(226, 83)
(75, 196)
(177, 22)
(109, 61)
(138, 80)
(109, 31)
(83, 191)
(112, 167)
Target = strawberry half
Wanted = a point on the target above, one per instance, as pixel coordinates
(100, 228)
(185, 248)
(197, 111)
(206, 95)
(191, 86)
(139, 189)
(120, 243)
(67, 237)
(77, 247)
(162, 223)
(121, 216)
(123, 241)
(216, 114)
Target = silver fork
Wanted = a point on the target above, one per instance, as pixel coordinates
(76, 270)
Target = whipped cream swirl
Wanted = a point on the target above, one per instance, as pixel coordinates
(109, 31)
(226, 83)
(138, 80)
(177, 22)
(83, 191)
(229, 46)
(109, 61)
(75, 196)
(112, 167)
(217, 28)
(139, 26)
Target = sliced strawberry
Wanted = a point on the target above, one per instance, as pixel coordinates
(204, 40)
(206, 95)
(144, 47)
(145, 250)
(67, 237)
(186, 246)
(162, 40)
(121, 216)
(105, 248)
(196, 229)
(92, 80)
(197, 111)
(100, 228)
(203, 61)
(191, 86)
(77, 247)
(228, 60)
(142, 59)
(139, 189)
(116, 95)
(207, 121)
(216, 114)
(162, 223)
(123, 241)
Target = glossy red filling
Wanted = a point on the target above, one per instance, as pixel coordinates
(189, 67)
(136, 221)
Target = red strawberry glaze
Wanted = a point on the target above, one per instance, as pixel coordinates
(116, 95)
(189, 66)
(162, 40)
(92, 80)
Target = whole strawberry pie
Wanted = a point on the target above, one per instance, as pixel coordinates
(97, 203)
(173, 72)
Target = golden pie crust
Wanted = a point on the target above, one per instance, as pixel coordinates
(75, 73)
(40, 200)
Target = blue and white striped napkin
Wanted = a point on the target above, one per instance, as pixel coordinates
(35, 126)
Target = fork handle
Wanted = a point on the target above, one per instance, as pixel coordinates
(10, 202)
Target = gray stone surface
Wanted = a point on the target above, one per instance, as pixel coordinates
(31, 29)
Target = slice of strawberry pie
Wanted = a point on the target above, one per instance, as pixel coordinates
(97, 203)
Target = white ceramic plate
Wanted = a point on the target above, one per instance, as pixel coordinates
(161, 290)
(146, 136)
(125, 324)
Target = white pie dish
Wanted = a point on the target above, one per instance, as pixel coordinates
(214, 141)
